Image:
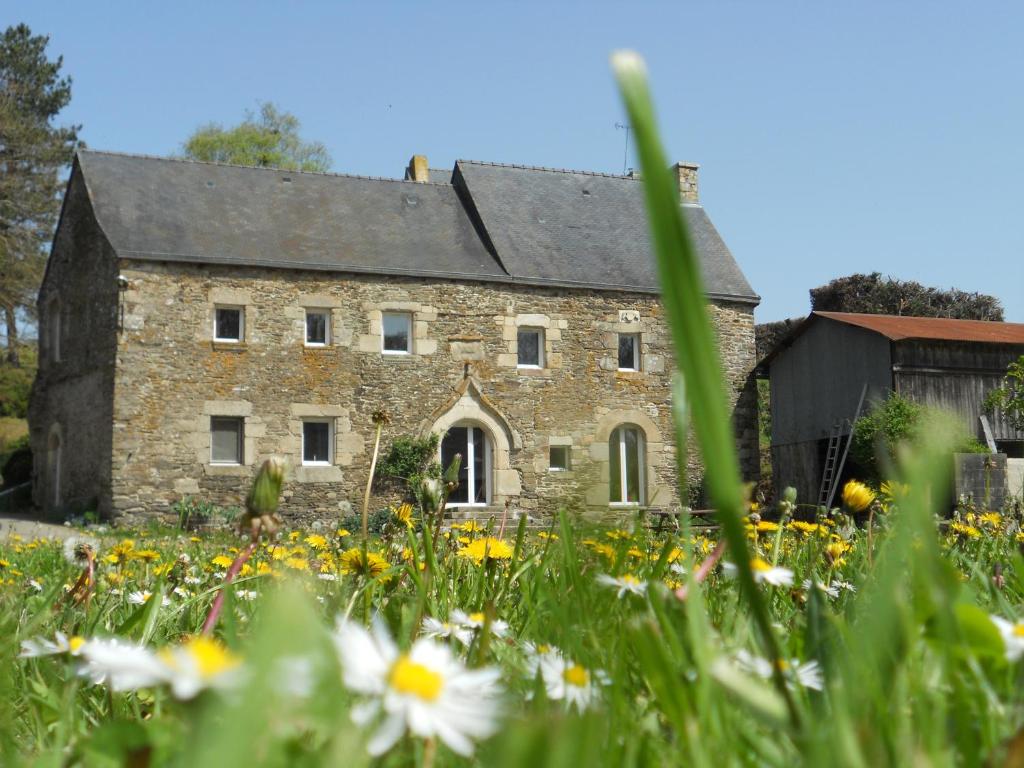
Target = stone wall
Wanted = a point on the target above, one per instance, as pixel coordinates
(71, 410)
(171, 377)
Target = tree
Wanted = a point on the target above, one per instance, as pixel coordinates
(1009, 396)
(874, 295)
(270, 139)
(32, 153)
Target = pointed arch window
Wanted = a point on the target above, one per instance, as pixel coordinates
(475, 445)
(626, 465)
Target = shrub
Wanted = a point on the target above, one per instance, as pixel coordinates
(16, 466)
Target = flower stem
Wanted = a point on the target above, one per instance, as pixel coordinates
(218, 603)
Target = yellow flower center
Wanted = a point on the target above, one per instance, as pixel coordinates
(576, 675)
(476, 618)
(75, 643)
(415, 679)
(211, 658)
(758, 564)
(630, 580)
(1018, 630)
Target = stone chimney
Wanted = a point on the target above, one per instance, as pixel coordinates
(417, 170)
(686, 176)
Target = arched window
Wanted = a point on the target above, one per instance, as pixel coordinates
(53, 328)
(54, 461)
(473, 442)
(626, 465)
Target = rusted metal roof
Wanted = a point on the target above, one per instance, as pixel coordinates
(897, 328)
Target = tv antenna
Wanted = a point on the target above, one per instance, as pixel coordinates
(625, 151)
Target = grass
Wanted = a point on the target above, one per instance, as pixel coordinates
(861, 638)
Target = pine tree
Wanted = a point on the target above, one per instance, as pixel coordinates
(33, 152)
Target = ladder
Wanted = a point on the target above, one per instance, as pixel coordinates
(834, 462)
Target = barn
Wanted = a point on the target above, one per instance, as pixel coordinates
(835, 363)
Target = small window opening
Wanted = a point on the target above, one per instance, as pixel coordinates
(629, 352)
(318, 328)
(530, 346)
(559, 458)
(317, 438)
(227, 438)
(397, 332)
(229, 324)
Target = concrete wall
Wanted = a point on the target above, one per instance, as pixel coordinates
(71, 410)
(171, 378)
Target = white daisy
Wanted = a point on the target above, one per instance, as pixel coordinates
(427, 690)
(806, 674)
(139, 597)
(35, 585)
(196, 665)
(327, 576)
(61, 643)
(764, 572)
(829, 589)
(624, 584)
(1013, 636)
(121, 665)
(443, 629)
(475, 621)
(566, 680)
(246, 594)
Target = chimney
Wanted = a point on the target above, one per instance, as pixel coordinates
(417, 170)
(686, 176)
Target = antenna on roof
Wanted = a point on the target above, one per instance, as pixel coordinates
(625, 152)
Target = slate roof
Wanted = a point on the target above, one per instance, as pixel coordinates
(483, 221)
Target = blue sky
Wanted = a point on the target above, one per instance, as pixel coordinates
(833, 137)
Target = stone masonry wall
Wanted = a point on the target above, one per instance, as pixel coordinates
(171, 377)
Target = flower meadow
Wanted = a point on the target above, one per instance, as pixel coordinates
(887, 631)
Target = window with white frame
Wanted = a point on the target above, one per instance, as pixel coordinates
(530, 347)
(228, 324)
(318, 327)
(626, 466)
(317, 442)
(629, 351)
(559, 458)
(473, 443)
(53, 325)
(396, 333)
(227, 439)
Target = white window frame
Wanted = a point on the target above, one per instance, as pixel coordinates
(636, 351)
(241, 324)
(641, 449)
(469, 461)
(568, 458)
(539, 332)
(330, 443)
(241, 442)
(326, 313)
(383, 334)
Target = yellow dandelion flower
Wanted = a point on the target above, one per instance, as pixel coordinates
(767, 526)
(222, 561)
(486, 548)
(297, 563)
(967, 531)
(342, 533)
(991, 519)
(403, 514)
(857, 497)
(374, 565)
(316, 541)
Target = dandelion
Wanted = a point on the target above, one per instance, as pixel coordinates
(145, 555)
(967, 531)
(566, 680)
(316, 541)
(807, 675)
(222, 561)
(486, 548)
(80, 552)
(31, 649)
(857, 497)
(626, 583)
(403, 514)
(426, 691)
(767, 526)
(1013, 636)
(297, 563)
(374, 565)
(805, 528)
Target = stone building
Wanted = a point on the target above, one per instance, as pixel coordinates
(196, 318)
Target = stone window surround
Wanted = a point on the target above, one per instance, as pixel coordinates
(330, 442)
(551, 331)
(230, 297)
(253, 428)
(422, 315)
(629, 321)
(656, 457)
(338, 335)
(346, 444)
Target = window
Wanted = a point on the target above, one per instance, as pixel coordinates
(397, 331)
(531, 348)
(54, 327)
(1014, 449)
(227, 435)
(629, 351)
(316, 443)
(626, 459)
(318, 327)
(475, 472)
(558, 458)
(228, 324)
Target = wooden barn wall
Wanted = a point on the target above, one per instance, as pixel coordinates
(955, 376)
(818, 380)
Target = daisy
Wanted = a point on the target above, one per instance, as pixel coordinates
(426, 691)
(475, 621)
(764, 572)
(443, 629)
(121, 665)
(807, 675)
(566, 680)
(139, 597)
(1013, 636)
(624, 584)
(198, 664)
(829, 589)
(61, 643)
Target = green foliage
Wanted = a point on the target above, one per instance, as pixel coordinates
(32, 153)
(408, 456)
(192, 512)
(876, 295)
(16, 384)
(893, 422)
(768, 335)
(377, 522)
(1008, 398)
(270, 139)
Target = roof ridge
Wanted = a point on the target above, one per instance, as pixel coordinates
(523, 167)
(335, 174)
